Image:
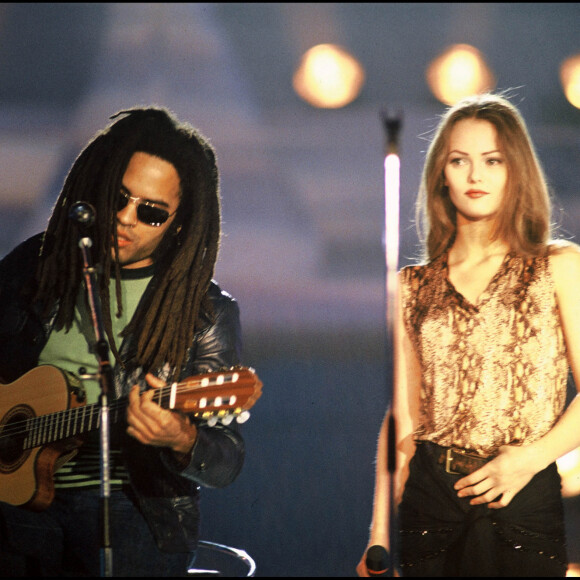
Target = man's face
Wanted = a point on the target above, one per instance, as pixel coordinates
(154, 184)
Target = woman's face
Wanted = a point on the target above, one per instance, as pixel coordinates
(475, 170)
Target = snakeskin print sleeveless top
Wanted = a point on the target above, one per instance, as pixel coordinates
(494, 373)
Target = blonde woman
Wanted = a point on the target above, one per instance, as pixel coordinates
(489, 326)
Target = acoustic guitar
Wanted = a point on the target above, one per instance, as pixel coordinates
(43, 415)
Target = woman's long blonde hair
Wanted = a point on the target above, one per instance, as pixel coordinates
(524, 220)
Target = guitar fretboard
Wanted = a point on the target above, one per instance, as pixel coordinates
(68, 423)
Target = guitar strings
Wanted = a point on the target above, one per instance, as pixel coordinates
(23, 427)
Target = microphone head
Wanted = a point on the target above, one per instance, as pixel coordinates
(377, 561)
(82, 213)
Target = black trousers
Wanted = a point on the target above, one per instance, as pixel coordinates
(65, 540)
(442, 535)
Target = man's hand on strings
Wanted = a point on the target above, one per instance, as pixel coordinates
(152, 425)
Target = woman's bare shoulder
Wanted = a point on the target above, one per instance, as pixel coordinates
(565, 261)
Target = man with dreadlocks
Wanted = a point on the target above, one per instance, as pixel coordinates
(153, 183)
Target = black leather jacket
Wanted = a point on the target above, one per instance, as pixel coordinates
(167, 492)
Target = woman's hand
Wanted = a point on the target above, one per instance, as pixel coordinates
(361, 568)
(383, 560)
(152, 425)
(497, 482)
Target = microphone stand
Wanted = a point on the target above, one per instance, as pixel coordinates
(392, 127)
(84, 215)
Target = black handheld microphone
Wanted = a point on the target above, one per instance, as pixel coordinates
(82, 213)
(377, 561)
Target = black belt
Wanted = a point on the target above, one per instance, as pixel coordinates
(459, 461)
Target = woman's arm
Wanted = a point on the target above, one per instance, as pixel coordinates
(405, 411)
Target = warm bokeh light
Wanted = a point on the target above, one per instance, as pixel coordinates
(458, 72)
(328, 77)
(569, 468)
(573, 570)
(570, 78)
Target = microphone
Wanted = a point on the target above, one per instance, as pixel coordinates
(377, 561)
(82, 213)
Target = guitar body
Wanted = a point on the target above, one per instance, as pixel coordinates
(26, 475)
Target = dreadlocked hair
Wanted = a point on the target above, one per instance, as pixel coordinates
(185, 259)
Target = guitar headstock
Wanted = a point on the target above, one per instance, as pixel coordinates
(218, 396)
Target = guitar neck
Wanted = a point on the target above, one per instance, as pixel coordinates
(69, 423)
(210, 397)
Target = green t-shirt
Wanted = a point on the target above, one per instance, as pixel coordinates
(75, 349)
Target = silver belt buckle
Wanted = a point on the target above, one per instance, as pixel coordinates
(448, 460)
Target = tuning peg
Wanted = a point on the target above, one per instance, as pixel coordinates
(227, 420)
(243, 417)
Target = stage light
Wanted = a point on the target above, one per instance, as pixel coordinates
(328, 77)
(573, 570)
(458, 72)
(569, 469)
(570, 78)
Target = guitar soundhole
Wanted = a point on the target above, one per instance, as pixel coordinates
(13, 434)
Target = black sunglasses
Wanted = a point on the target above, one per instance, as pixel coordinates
(146, 212)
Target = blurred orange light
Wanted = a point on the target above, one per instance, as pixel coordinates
(458, 72)
(328, 77)
(570, 78)
(573, 570)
